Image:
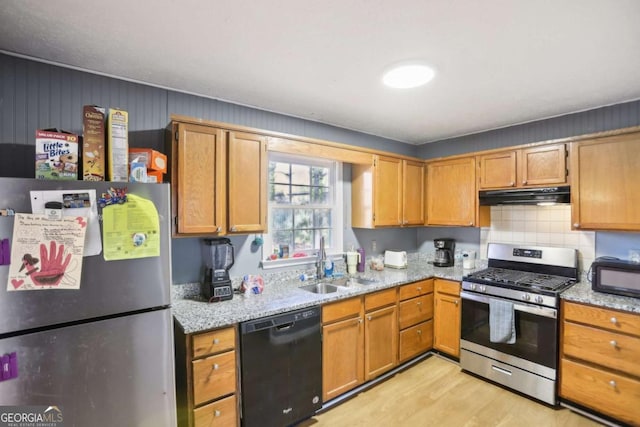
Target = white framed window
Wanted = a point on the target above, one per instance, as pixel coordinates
(305, 203)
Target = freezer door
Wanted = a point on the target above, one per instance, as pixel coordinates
(115, 372)
(106, 288)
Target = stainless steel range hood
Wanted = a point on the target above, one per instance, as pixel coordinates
(526, 196)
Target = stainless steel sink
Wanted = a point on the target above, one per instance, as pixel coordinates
(365, 282)
(320, 288)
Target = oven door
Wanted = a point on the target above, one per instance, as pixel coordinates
(536, 331)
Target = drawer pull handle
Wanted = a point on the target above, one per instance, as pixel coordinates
(614, 320)
(368, 317)
(456, 302)
(419, 303)
(613, 343)
(419, 288)
(612, 383)
(216, 413)
(216, 341)
(215, 367)
(419, 332)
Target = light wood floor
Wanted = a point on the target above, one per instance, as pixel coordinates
(435, 392)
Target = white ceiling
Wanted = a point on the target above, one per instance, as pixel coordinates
(498, 62)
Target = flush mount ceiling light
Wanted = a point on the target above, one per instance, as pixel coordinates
(408, 76)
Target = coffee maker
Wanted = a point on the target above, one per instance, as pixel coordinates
(218, 258)
(445, 250)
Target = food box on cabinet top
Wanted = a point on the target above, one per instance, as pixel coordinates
(154, 176)
(118, 145)
(93, 141)
(153, 159)
(56, 154)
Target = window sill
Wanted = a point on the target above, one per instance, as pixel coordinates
(295, 262)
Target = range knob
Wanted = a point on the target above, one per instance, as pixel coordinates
(472, 286)
(483, 288)
(526, 297)
(539, 299)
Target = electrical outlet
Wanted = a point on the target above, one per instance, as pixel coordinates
(374, 246)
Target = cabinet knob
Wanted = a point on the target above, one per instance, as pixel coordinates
(419, 303)
(471, 223)
(216, 413)
(614, 320)
(368, 317)
(612, 383)
(511, 184)
(215, 367)
(613, 343)
(360, 320)
(219, 229)
(576, 225)
(524, 182)
(456, 302)
(419, 288)
(419, 332)
(216, 341)
(233, 228)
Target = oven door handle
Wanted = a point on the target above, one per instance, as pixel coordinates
(527, 308)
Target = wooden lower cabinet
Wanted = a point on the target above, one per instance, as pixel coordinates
(207, 378)
(600, 349)
(381, 337)
(415, 324)
(446, 335)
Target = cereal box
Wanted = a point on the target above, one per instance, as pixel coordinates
(56, 155)
(118, 145)
(93, 141)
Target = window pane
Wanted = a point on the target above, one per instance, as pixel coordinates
(320, 176)
(282, 219)
(279, 194)
(283, 237)
(319, 195)
(327, 238)
(322, 218)
(303, 218)
(300, 195)
(300, 174)
(279, 173)
(303, 240)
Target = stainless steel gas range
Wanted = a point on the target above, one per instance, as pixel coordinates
(509, 331)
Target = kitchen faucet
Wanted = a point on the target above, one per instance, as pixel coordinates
(320, 260)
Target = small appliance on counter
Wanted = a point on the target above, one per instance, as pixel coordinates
(218, 258)
(395, 259)
(615, 276)
(445, 250)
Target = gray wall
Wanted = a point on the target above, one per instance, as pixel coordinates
(35, 95)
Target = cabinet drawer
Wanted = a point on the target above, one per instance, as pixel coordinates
(609, 349)
(341, 310)
(214, 376)
(214, 342)
(447, 287)
(379, 299)
(415, 310)
(416, 289)
(612, 320)
(611, 394)
(220, 413)
(416, 340)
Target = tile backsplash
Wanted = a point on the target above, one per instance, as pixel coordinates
(539, 226)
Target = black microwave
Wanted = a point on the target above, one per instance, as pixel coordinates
(616, 276)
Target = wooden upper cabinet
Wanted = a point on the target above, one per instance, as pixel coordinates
(543, 165)
(452, 198)
(534, 166)
(197, 176)
(498, 170)
(247, 183)
(387, 193)
(387, 199)
(413, 192)
(604, 189)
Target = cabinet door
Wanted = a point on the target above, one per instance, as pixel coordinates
(544, 165)
(247, 176)
(413, 193)
(446, 335)
(604, 189)
(342, 357)
(381, 341)
(498, 170)
(387, 192)
(451, 192)
(199, 173)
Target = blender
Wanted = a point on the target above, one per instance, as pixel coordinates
(218, 258)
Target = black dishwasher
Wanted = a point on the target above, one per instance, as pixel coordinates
(281, 368)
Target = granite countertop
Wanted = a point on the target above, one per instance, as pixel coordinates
(279, 296)
(582, 292)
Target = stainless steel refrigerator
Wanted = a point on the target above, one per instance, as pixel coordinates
(102, 354)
